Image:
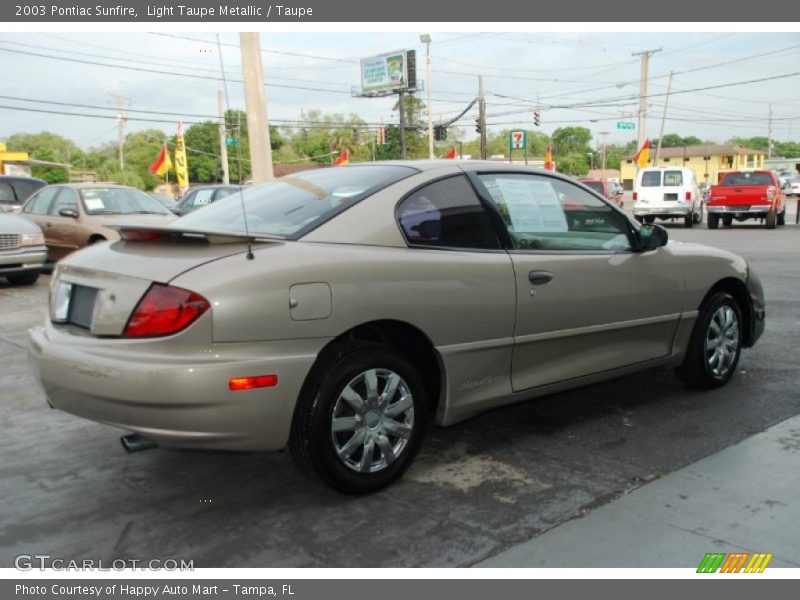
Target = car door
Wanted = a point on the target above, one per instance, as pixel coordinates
(37, 208)
(65, 232)
(587, 302)
(472, 297)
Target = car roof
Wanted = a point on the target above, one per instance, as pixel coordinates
(21, 178)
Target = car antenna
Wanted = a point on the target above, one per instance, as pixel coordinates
(249, 255)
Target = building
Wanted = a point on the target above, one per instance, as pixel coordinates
(707, 161)
(20, 163)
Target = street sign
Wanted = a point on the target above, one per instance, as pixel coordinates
(518, 140)
(626, 125)
(232, 141)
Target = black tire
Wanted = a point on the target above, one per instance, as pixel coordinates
(727, 221)
(698, 217)
(24, 279)
(312, 437)
(95, 240)
(639, 219)
(696, 370)
(649, 220)
(771, 221)
(688, 221)
(713, 221)
(782, 217)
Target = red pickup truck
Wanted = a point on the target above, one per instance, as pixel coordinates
(603, 187)
(743, 195)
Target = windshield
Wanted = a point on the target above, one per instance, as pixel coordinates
(293, 205)
(119, 201)
(597, 186)
(747, 179)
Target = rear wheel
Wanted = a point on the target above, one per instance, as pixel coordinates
(688, 220)
(715, 345)
(24, 279)
(361, 420)
(771, 221)
(713, 221)
(782, 217)
(698, 217)
(649, 220)
(727, 221)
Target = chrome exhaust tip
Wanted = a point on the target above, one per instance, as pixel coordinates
(133, 442)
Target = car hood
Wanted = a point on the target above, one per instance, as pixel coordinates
(10, 223)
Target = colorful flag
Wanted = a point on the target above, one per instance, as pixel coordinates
(549, 164)
(643, 155)
(181, 168)
(342, 159)
(452, 155)
(162, 163)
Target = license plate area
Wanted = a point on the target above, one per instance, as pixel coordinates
(671, 197)
(81, 306)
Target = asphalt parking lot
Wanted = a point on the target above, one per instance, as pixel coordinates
(476, 489)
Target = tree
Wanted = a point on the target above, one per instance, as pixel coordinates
(416, 115)
(573, 164)
(49, 147)
(571, 140)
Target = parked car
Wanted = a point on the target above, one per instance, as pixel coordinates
(200, 196)
(356, 305)
(15, 190)
(667, 193)
(167, 202)
(792, 186)
(22, 250)
(744, 195)
(605, 188)
(79, 214)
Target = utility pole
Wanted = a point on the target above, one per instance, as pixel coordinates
(223, 139)
(255, 98)
(402, 106)
(645, 54)
(482, 116)
(663, 120)
(122, 120)
(604, 134)
(769, 132)
(425, 38)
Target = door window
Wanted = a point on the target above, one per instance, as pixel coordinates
(65, 199)
(202, 197)
(40, 204)
(7, 194)
(544, 213)
(447, 213)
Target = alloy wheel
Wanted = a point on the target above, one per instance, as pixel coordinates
(722, 341)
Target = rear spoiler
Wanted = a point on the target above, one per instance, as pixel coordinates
(154, 233)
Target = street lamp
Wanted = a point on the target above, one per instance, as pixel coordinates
(425, 38)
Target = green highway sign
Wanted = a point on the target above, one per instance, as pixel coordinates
(626, 125)
(232, 141)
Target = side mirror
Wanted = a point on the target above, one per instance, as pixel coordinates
(652, 237)
(68, 212)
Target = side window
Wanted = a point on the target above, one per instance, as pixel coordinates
(447, 213)
(40, 204)
(543, 213)
(64, 199)
(223, 192)
(7, 194)
(202, 197)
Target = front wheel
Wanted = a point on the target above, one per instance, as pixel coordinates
(713, 221)
(782, 217)
(688, 220)
(361, 419)
(24, 279)
(771, 221)
(715, 345)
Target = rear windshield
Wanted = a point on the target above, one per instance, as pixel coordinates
(119, 201)
(293, 205)
(595, 185)
(746, 179)
(673, 178)
(651, 179)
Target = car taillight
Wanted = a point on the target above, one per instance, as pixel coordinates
(688, 195)
(635, 196)
(136, 235)
(165, 310)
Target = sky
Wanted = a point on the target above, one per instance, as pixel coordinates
(583, 79)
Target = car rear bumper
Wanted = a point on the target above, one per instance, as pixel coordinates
(662, 211)
(22, 260)
(177, 398)
(759, 209)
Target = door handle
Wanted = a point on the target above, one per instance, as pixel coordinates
(540, 277)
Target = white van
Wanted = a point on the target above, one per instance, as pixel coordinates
(667, 193)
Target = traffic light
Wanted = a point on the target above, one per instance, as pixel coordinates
(439, 133)
(380, 136)
(477, 125)
(536, 118)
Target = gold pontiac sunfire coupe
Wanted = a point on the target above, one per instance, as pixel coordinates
(340, 311)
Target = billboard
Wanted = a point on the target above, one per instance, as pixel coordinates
(386, 73)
